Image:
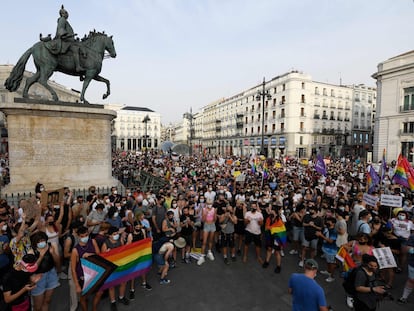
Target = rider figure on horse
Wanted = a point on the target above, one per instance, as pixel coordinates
(65, 33)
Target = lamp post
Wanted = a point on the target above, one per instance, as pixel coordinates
(263, 94)
(146, 120)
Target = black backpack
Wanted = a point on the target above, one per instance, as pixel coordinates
(349, 281)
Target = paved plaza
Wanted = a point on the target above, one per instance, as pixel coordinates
(238, 286)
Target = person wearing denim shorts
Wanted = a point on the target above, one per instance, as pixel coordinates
(46, 260)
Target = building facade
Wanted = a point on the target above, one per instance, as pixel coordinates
(394, 122)
(300, 117)
(135, 128)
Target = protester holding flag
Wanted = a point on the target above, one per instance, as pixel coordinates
(85, 248)
(114, 241)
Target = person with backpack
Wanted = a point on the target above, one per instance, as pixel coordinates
(367, 288)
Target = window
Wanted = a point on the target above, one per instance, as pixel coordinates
(408, 99)
(316, 91)
(300, 140)
(407, 150)
(274, 114)
(302, 112)
(324, 91)
(258, 129)
(303, 85)
(247, 120)
(301, 126)
(284, 87)
(283, 99)
(282, 113)
(282, 126)
(3, 98)
(302, 100)
(273, 127)
(265, 128)
(408, 127)
(332, 93)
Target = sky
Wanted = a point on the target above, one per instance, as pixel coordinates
(177, 55)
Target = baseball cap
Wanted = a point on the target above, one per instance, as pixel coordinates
(311, 264)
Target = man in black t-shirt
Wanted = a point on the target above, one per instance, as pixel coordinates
(311, 224)
(19, 281)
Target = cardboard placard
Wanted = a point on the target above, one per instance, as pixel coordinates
(391, 200)
(54, 197)
(385, 257)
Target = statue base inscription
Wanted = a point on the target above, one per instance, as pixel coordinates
(58, 145)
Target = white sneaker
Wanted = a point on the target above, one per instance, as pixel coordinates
(350, 302)
(324, 272)
(293, 252)
(330, 279)
(210, 255)
(282, 253)
(201, 260)
(301, 263)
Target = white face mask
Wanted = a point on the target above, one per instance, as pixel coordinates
(401, 217)
(4, 228)
(115, 192)
(116, 237)
(174, 205)
(107, 201)
(116, 215)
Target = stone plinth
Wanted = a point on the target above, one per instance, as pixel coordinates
(58, 144)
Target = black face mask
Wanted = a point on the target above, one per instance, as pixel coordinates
(362, 243)
(51, 223)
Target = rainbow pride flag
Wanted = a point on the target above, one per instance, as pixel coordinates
(132, 260)
(346, 259)
(404, 173)
(277, 231)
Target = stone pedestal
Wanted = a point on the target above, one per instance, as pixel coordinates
(58, 144)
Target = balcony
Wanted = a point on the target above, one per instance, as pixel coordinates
(218, 129)
(332, 118)
(324, 117)
(281, 116)
(303, 115)
(347, 108)
(406, 108)
(317, 104)
(357, 99)
(281, 103)
(302, 130)
(316, 116)
(346, 119)
(239, 125)
(403, 132)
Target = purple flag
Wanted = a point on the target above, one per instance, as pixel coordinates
(320, 165)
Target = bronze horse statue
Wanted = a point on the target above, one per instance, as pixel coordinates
(47, 62)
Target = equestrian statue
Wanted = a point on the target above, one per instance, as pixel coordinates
(67, 54)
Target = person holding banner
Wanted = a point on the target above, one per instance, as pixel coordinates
(85, 248)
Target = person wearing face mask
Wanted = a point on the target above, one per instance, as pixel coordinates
(53, 230)
(47, 260)
(363, 223)
(402, 228)
(367, 285)
(95, 218)
(306, 293)
(18, 283)
(114, 197)
(83, 249)
(114, 240)
(409, 285)
(113, 217)
(312, 223)
(253, 220)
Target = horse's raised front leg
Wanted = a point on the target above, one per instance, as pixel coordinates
(108, 85)
(29, 83)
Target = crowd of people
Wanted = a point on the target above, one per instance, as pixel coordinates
(211, 208)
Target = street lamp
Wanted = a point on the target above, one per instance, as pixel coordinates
(263, 94)
(146, 120)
